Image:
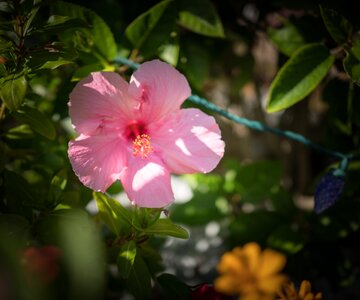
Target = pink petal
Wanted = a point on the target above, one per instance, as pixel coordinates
(159, 88)
(147, 182)
(97, 160)
(189, 141)
(99, 102)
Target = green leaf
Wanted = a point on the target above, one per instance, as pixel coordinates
(13, 90)
(173, 288)
(168, 228)
(113, 214)
(38, 121)
(51, 57)
(352, 61)
(338, 26)
(21, 132)
(170, 53)
(153, 28)
(48, 62)
(57, 187)
(102, 38)
(355, 49)
(126, 259)
(286, 240)
(56, 24)
(30, 17)
(200, 17)
(55, 64)
(147, 216)
(287, 38)
(299, 76)
(139, 280)
(352, 66)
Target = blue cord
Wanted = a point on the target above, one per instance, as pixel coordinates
(256, 125)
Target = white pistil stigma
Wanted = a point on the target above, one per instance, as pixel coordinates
(142, 146)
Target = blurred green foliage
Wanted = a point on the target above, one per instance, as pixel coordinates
(46, 46)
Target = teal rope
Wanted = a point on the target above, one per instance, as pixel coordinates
(262, 127)
(256, 125)
(127, 62)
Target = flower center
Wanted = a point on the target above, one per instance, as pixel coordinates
(136, 133)
(142, 146)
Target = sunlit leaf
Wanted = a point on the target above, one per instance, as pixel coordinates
(168, 228)
(338, 26)
(299, 76)
(170, 53)
(152, 28)
(126, 258)
(21, 132)
(113, 214)
(38, 121)
(200, 17)
(13, 90)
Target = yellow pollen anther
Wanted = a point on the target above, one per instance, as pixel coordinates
(142, 146)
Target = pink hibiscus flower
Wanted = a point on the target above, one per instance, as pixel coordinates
(137, 133)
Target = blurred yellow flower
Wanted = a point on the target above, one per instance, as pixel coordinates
(251, 273)
(289, 292)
